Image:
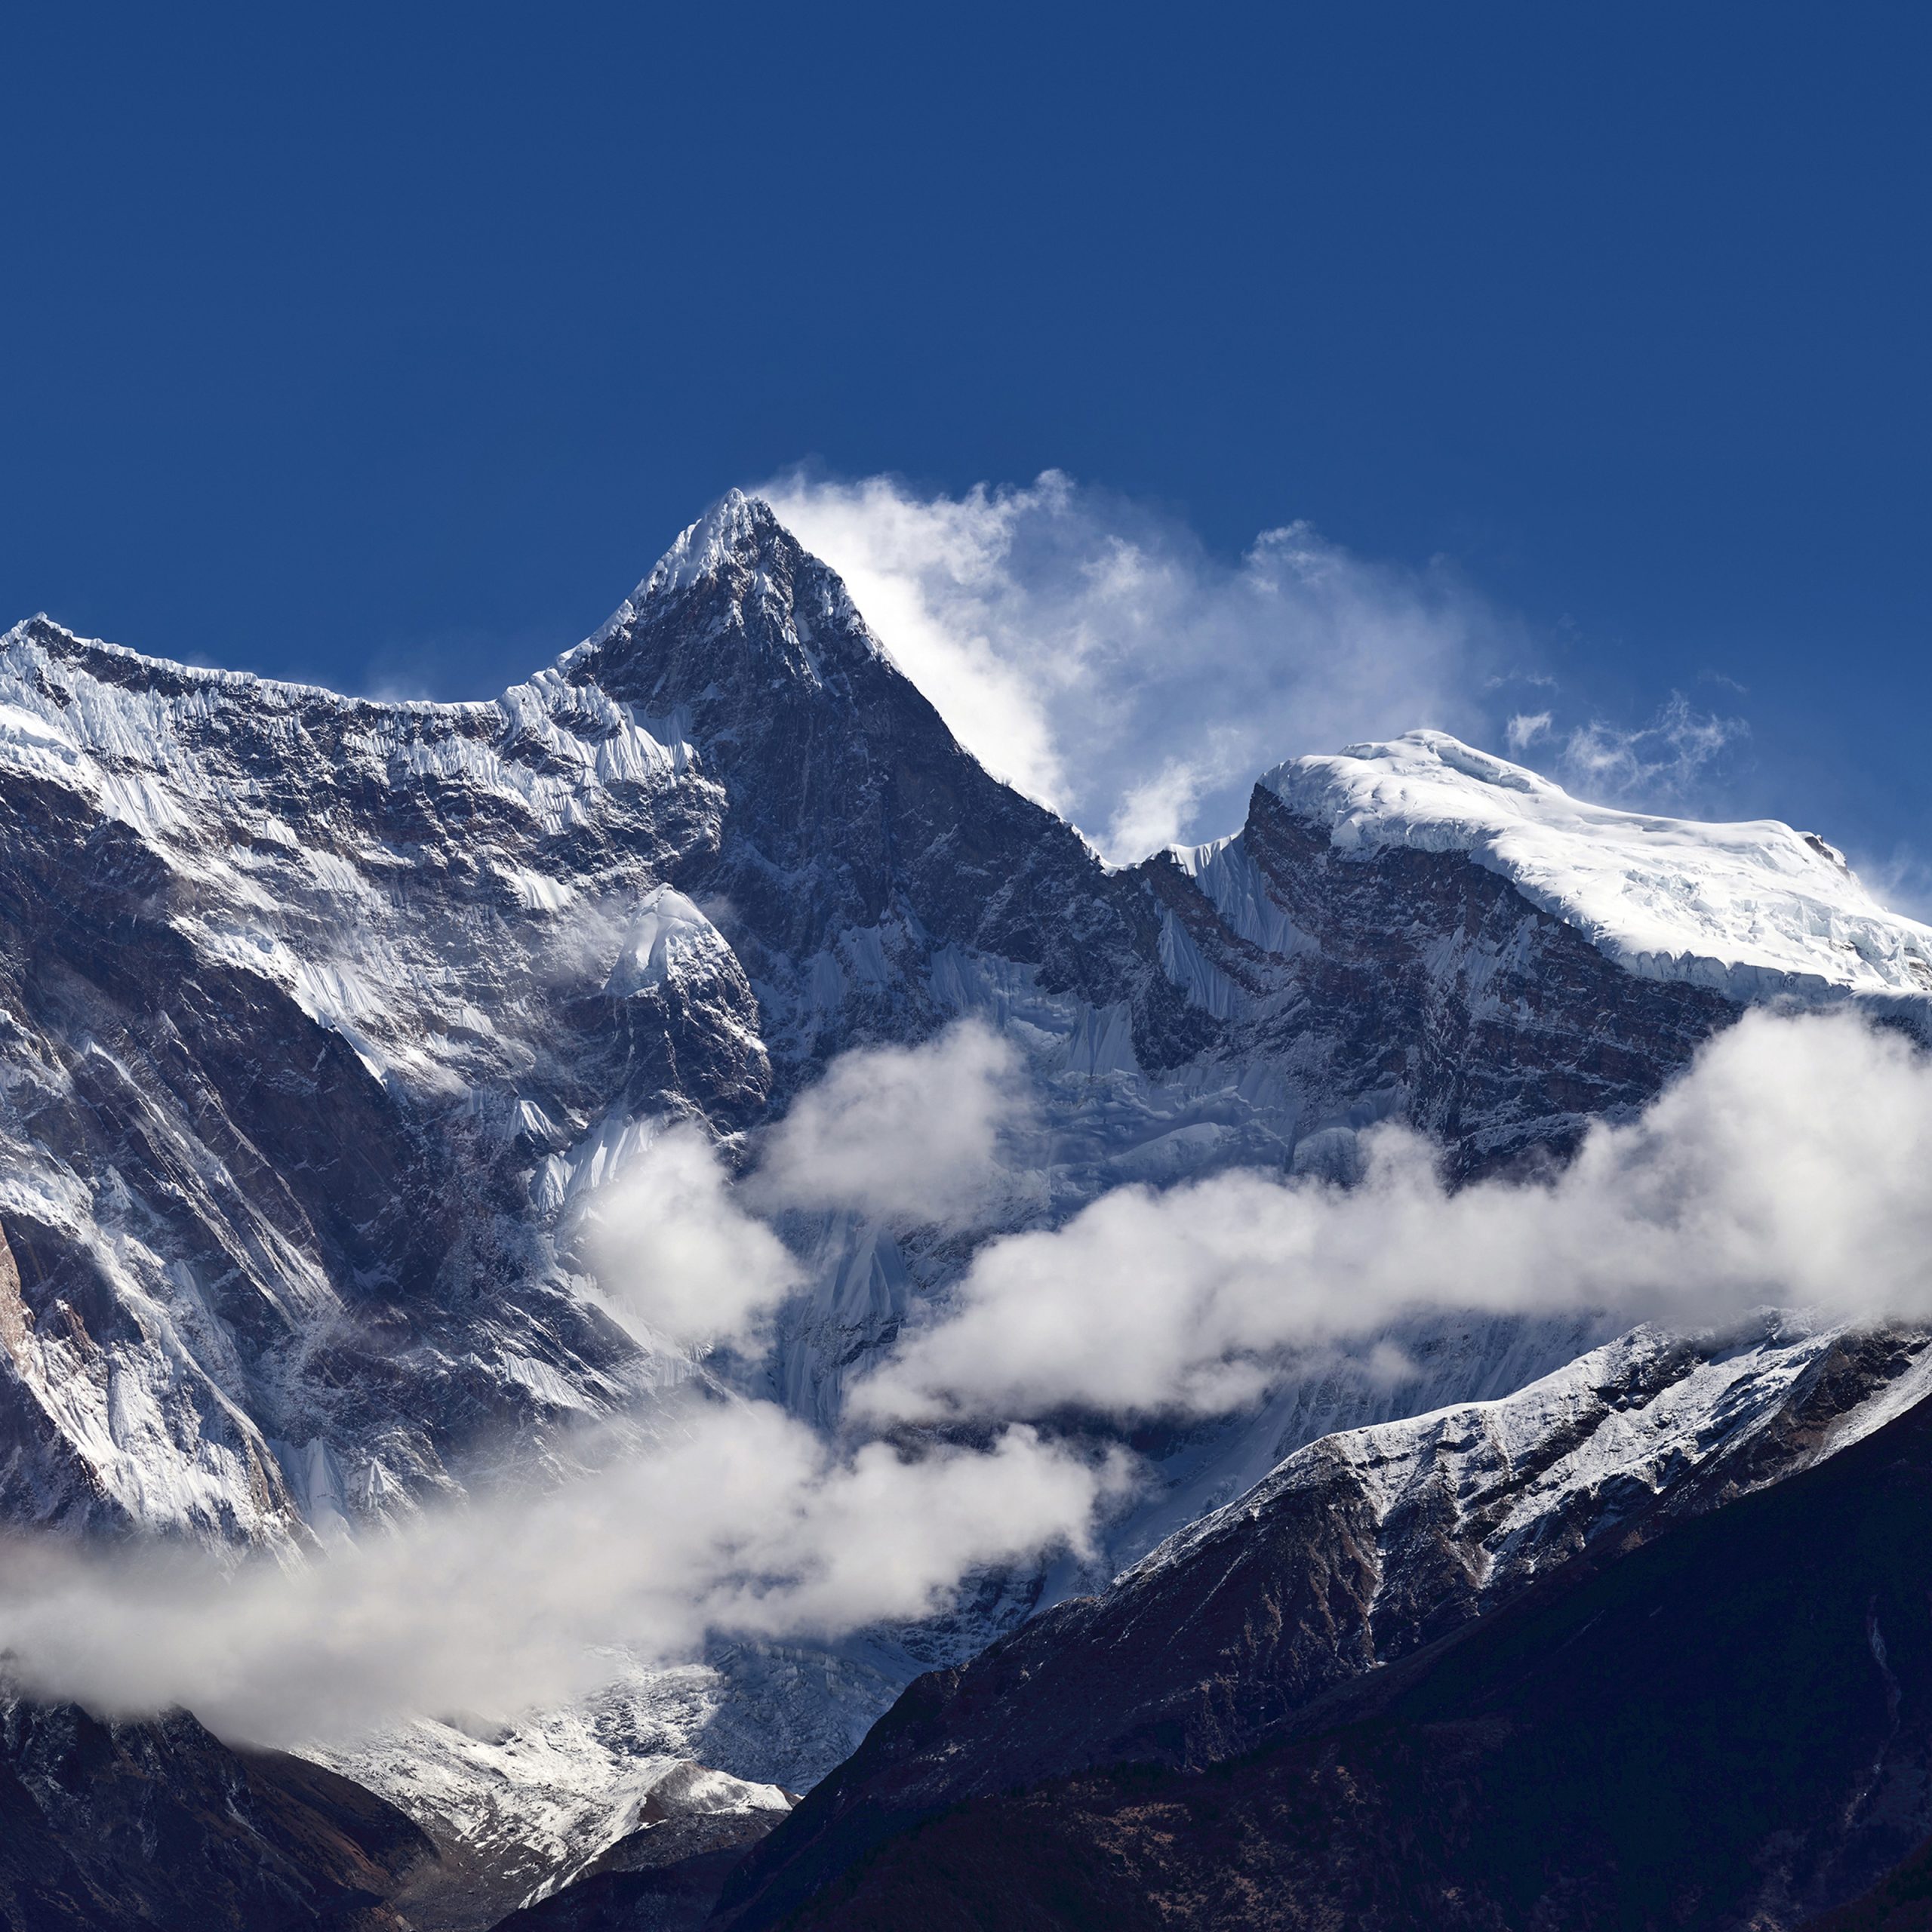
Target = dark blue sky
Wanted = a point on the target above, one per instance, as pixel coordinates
(388, 345)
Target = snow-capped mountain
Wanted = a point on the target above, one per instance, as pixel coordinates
(321, 1011)
(1755, 910)
(319, 1017)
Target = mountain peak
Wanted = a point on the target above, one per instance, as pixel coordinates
(735, 536)
(735, 600)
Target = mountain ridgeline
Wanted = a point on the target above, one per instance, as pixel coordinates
(320, 1018)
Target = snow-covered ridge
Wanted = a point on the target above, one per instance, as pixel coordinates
(1751, 910)
(1526, 1480)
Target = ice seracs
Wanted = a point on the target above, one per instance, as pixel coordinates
(1751, 910)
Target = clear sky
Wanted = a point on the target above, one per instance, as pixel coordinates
(387, 346)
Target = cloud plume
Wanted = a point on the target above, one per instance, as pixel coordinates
(1091, 651)
(1674, 757)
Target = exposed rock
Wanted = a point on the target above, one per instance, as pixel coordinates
(155, 1826)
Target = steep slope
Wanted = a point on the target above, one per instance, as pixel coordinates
(1727, 1727)
(1419, 923)
(1749, 909)
(1360, 1550)
(156, 1827)
(1900, 1902)
(851, 810)
(653, 1812)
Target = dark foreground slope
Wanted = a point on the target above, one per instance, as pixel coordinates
(1728, 1727)
(158, 1827)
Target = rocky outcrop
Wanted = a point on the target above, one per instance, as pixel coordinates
(157, 1827)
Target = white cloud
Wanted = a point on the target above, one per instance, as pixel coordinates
(674, 1256)
(905, 1134)
(1524, 729)
(743, 1520)
(902, 1134)
(1787, 1168)
(1091, 651)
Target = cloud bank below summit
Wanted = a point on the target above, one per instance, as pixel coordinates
(906, 1135)
(1786, 1168)
(739, 1519)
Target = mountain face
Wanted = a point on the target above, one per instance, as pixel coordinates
(1728, 1727)
(319, 1010)
(320, 1014)
(320, 1018)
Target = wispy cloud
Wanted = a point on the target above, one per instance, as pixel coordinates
(1524, 730)
(1089, 649)
(741, 1519)
(1902, 879)
(1671, 759)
